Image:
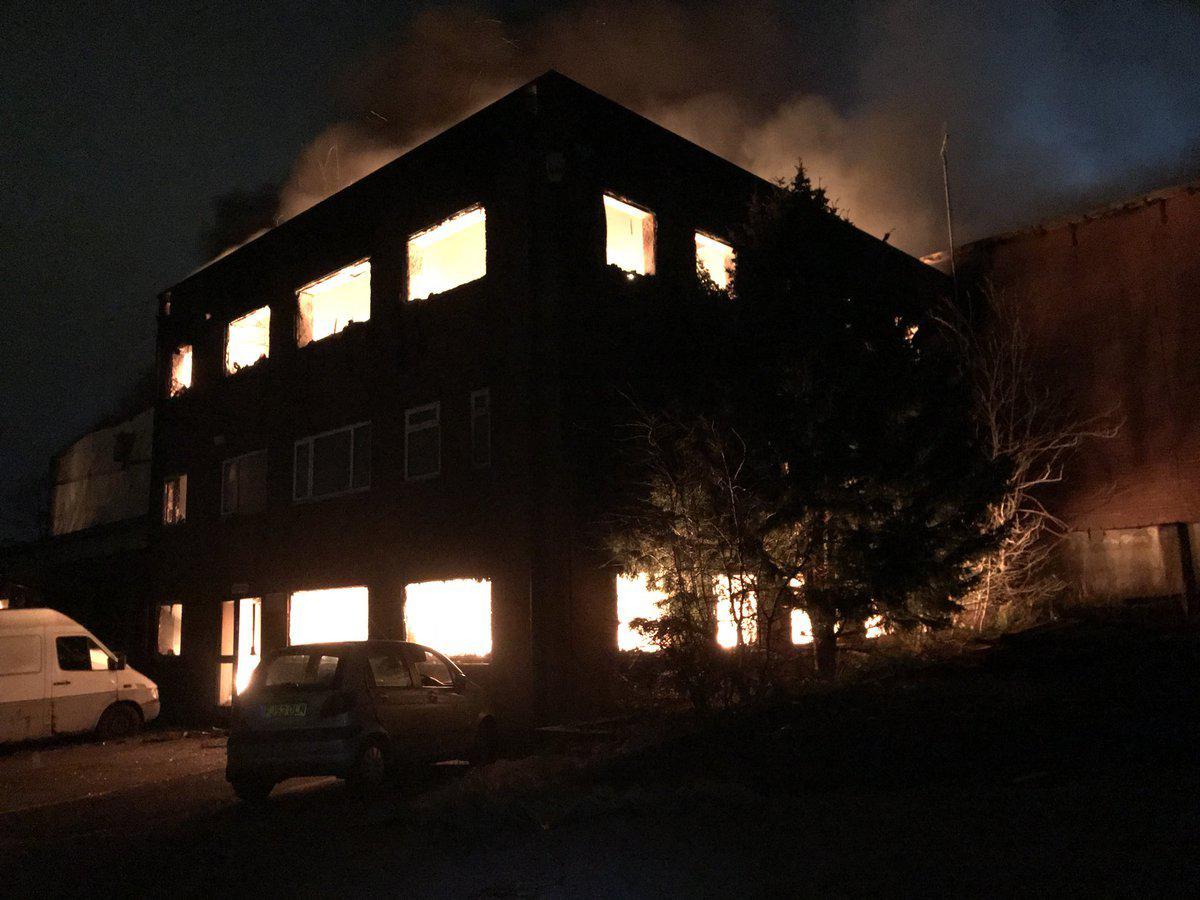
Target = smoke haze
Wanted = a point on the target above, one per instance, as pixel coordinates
(1049, 105)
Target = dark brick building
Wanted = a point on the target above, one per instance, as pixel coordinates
(425, 458)
(1109, 301)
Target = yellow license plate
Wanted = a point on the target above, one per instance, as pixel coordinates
(285, 710)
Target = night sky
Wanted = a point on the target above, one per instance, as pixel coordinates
(121, 129)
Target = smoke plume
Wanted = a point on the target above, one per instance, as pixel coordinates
(1048, 105)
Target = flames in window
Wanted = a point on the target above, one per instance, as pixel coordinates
(636, 600)
(331, 303)
(629, 242)
(333, 614)
(453, 617)
(451, 253)
(181, 370)
(715, 259)
(248, 339)
(737, 613)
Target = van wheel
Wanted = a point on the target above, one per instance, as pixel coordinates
(118, 721)
(486, 748)
(252, 790)
(370, 770)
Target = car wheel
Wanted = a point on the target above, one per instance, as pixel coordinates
(252, 790)
(486, 748)
(118, 721)
(370, 769)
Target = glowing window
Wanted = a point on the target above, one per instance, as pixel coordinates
(174, 499)
(225, 667)
(249, 650)
(334, 614)
(715, 259)
(452, 617)
(248, 339)
(422, 442)
(737, 613)
(630, 236)
(181, 370)
(241, 646)
(170, 628)
(801, 627)
(636, 600)
(450, 253)
(331, 303)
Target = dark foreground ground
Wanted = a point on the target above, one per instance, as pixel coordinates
(1061, 761)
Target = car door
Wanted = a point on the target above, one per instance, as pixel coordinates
(23, 700)
(395, 695)
(83, 682)
(448, 716)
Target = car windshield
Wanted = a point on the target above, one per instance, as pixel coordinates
(302, 669)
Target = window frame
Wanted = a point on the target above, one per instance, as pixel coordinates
(409, 429)
(225, 464)
(486, 394)
(229, 373)
(649, 265)
(177, 388)
(301, 342)
(309, 440)
(698, 234)
(176, 632)
(480, 207)
(181, 480)
(91, 645)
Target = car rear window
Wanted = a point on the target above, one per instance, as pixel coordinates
(302, 669)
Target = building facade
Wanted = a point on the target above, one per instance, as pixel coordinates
(374, 418)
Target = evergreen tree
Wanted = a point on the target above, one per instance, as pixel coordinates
(869, 485)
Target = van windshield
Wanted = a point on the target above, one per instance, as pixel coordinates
(301, 669)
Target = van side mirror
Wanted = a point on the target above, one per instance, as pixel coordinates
(460, 682)
(117, 664)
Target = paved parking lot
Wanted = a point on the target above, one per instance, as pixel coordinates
(44, 775)
(1062, 764)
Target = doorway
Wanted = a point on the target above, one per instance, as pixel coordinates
(241, 645)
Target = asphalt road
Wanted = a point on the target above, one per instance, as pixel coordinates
(1064, 765)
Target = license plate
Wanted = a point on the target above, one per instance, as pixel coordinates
(285, 710)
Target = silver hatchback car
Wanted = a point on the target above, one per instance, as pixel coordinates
(358, 710)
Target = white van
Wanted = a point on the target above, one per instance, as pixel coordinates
(56, 678)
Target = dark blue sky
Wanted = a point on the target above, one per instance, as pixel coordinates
(123, 122)
(119, 130)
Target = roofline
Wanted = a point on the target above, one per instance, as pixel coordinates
(1130, 204)
(549, 74)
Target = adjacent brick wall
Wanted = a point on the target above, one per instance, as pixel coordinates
(1111, 304)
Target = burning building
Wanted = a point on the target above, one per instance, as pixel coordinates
(369, 422)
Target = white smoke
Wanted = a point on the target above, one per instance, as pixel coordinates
(1047, 104)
